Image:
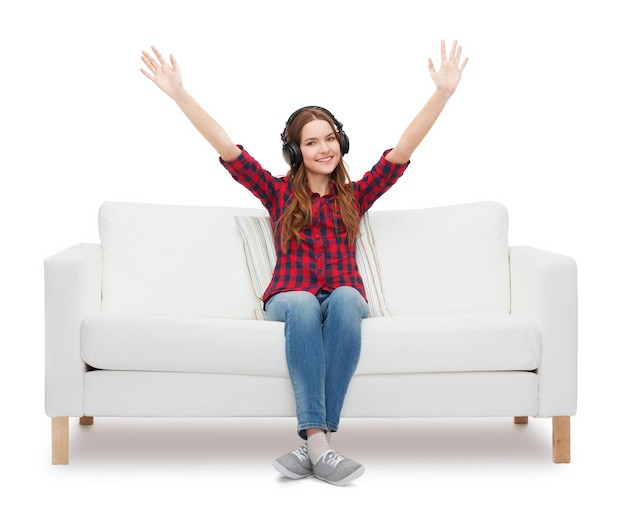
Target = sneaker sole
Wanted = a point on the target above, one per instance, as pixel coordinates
(357, 473)
(288, 473)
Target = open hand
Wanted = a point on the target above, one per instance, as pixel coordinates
(449, 74)
(166, 75)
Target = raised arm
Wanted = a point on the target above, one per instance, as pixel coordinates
(167, 76)
(446, 80)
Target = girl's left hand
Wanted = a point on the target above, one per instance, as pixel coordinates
(166, 75)
(449, 74)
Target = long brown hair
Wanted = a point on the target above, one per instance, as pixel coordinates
(298, 214)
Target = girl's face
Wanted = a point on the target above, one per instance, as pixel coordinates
(319, 147)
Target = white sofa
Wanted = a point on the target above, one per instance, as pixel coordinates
(162, 319)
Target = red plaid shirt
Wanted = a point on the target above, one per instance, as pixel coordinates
(323, 259)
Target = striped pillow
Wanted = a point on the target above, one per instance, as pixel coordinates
(258, 242)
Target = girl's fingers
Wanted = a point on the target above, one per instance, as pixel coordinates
(453, 52)
(151, 77)
(147, 60)
(152, 64)
(174, 62)
(458, 55)
(158, 55)
(161, 65)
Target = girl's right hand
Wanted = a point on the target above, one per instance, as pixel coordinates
(167, 76)
(448, 76)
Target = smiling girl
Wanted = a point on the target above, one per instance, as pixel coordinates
(316, 289)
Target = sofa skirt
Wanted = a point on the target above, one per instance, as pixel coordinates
(178, 394)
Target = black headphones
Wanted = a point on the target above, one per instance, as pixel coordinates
(291, 149)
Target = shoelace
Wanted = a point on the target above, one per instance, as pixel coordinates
(332, 459)
(301, 453)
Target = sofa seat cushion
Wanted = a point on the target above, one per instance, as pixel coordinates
(401, 344)
(184, 344)
(449, 343)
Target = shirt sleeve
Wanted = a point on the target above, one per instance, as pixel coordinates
(377, 181)
(249, 173)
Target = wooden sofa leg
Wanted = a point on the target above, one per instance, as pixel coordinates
(521, 420)
(60, 440)
(561, 439)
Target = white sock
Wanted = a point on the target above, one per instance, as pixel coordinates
(317, 446)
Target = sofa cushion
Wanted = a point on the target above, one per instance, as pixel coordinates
(451, 259)
(449, 343)
(183, 344)
(258, 245)
(426, 343)
(258, 240)
(174, 260)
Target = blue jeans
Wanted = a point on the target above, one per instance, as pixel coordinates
(323, 344)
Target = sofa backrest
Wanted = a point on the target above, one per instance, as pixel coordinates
(190, 260)
(174, 260)
(444, 259)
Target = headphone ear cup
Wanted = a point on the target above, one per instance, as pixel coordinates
(292, 154)
(344, 143)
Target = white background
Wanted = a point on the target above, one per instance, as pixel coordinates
(537, 124)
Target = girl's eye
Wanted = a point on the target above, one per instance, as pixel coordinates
(331, 138)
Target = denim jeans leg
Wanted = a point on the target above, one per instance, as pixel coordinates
(342, 312)
(302, 315)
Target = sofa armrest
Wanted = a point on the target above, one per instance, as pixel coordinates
(73, 289)
(544, 289)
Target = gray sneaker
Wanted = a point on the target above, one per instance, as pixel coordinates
(335, 469)
(295, 464)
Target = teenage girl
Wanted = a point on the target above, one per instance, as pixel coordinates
(316, 289)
